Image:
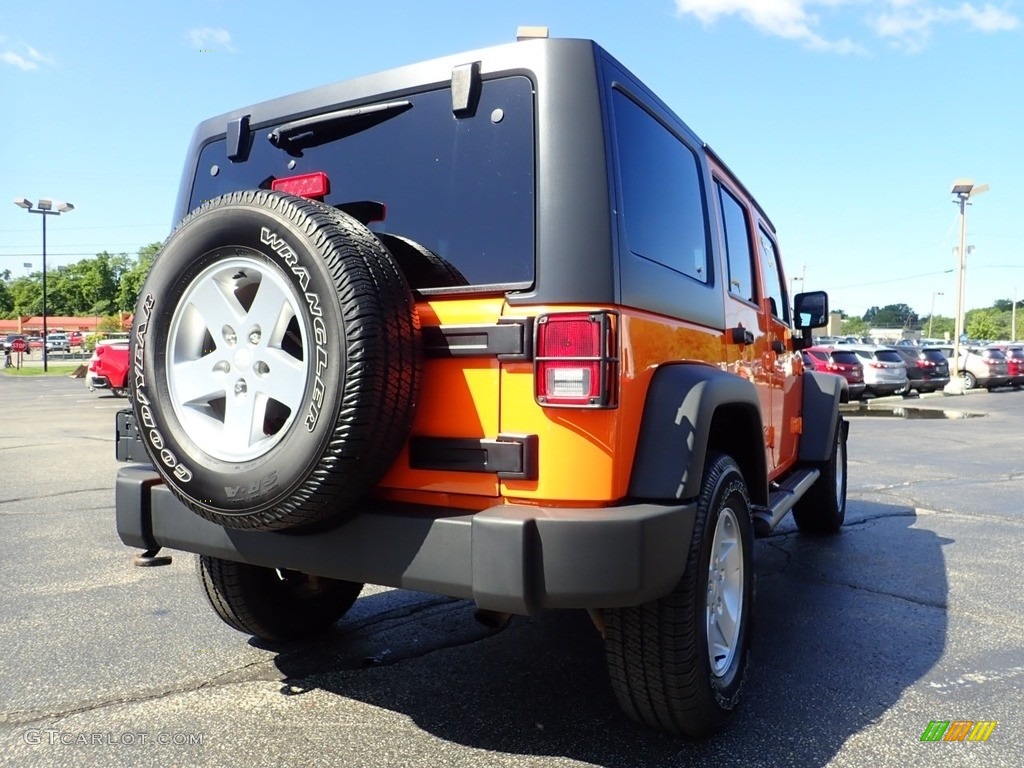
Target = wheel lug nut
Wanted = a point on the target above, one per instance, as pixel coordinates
(254, 335)
(241, 388)
(229, 335)
(261, 368)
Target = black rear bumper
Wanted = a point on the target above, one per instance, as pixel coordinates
(511, 558)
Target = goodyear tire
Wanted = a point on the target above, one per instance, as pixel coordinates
(272, 604)
(678, 663)
(273, 345)
(421, 266)
(822, 509)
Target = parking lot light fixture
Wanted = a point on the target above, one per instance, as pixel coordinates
(45, 208)
(963, 190)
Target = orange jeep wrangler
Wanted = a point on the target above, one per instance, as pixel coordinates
(496, 326)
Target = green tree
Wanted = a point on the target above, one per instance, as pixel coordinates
(27, 294)
(6, 299)
(989, 323)
(110, 324)
(854, 326)
(891, 316)
(133, 277)
(941, 327)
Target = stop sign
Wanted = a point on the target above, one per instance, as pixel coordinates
(19, 345)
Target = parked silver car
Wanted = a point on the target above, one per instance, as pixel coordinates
(980, 367)
(885, 373)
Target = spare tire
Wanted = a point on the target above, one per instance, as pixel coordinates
(421, 266)
(272, 347)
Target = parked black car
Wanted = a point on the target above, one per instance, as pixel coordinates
(927, 367)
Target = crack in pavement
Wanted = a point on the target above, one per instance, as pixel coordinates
(27, 445)
(253, 671)
(55, 495)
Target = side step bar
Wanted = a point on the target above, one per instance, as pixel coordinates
(781, 500)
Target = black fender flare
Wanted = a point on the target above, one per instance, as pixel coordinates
(821, 396)
(675, 432)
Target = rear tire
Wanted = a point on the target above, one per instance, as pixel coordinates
(678, 663)
(822, 509)
(271, 604)
(970, 382)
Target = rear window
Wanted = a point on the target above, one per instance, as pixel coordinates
(993, 354)
(464, 188)
(846, 358)
(888, 356)
(1015, 354)
(934, 355)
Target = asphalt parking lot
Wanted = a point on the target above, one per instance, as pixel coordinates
(914, 613)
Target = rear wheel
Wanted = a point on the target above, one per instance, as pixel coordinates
(822, 509)
(272, 604)
(970, 382)
(678, 663)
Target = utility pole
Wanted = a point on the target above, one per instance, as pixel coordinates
(963, 190)
(1013, 317)
(931, 316)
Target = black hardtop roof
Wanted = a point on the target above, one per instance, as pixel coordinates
(528, 55)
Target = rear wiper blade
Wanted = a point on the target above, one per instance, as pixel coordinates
(316, 130)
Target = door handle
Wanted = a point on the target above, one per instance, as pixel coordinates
(741, 335)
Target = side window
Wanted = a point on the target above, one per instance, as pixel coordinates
(737, 246)
(662, 203)
(773, 287)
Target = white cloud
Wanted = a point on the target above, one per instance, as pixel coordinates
(790, 19)
(989, 18)
(909, 25)
(24, 57)
(206, 38)
(906, 24)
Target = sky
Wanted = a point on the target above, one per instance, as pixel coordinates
(849, 120)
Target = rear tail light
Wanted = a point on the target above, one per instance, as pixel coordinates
(575, 363)
(925, 364)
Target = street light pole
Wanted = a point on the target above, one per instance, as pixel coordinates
(45, 208)
(963, 190)
(931, 315)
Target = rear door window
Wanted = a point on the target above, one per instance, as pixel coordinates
(662, 198)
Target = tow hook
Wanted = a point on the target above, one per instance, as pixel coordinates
(150, 559)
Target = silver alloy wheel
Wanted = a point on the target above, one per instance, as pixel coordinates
(840, 466)
(237, 360)
(725, 592)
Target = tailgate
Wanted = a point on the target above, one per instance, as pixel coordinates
(454, 446)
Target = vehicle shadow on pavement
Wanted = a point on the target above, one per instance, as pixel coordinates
(844, 625)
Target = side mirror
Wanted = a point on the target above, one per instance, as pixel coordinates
(811, 310)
